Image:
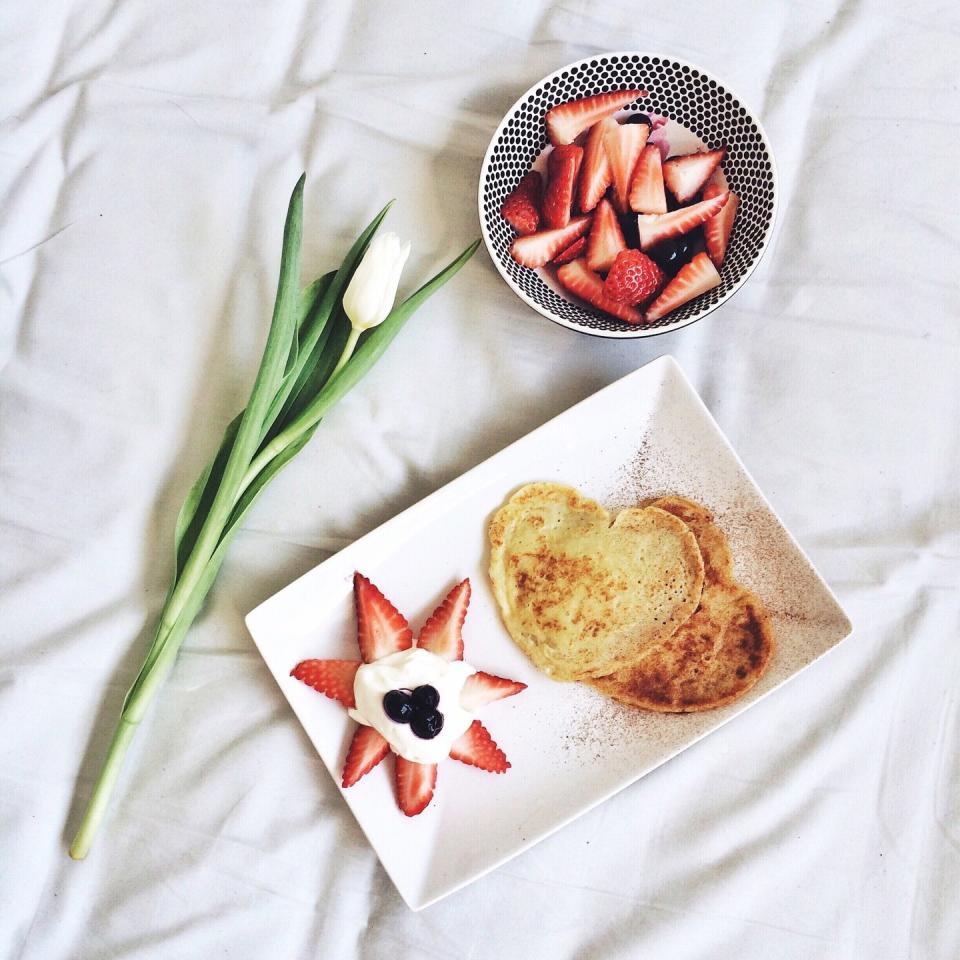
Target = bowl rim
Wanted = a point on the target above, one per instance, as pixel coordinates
(639, 332)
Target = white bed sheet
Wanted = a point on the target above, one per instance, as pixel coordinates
(146, 154)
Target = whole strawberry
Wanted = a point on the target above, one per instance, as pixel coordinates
(633, 278)
(522, 208)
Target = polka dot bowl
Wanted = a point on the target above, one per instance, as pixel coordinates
(701, 112)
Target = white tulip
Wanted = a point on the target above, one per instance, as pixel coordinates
(370, 294)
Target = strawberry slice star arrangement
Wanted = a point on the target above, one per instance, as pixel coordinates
(415, 698)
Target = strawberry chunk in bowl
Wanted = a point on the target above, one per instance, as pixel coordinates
(627, 195)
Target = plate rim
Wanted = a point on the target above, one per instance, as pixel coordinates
(640, 332)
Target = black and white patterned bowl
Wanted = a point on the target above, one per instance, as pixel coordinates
(711, 115)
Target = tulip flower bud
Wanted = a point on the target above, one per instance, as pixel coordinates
(370, 294)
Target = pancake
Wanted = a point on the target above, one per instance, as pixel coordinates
(712, 541)
(718, 654)
(581, 595)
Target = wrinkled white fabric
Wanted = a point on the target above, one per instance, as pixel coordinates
(147, 151)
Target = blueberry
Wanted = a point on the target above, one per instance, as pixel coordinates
(631, 233)
(639, 118)
(426, 724)
(398, 706)
(426, 697)
(671, 255)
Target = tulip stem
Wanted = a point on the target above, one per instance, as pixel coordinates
(348, 349)
(285, 437)
(97, 805)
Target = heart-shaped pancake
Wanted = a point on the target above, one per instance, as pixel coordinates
(717, 655)
(581, 595)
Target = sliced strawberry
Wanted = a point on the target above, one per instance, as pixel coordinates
(567, 121)
(381, 628)
(654, 227)
(540, 248)
(716, 231)
(633, 279)
(367, 749)
(563, 167)
(606, 238)
(482, 688)
(624, 144)
(595, 174)
(477, 748)
(575, 250)
(333, 678)
(441, 634)
(696, 277)
(717, 183)
(646, 190)
(522, 208)
(415, 785)
(684, 176)
(582, 282)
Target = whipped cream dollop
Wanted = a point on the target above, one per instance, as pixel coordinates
(407, 670)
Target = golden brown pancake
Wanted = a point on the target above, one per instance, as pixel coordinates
(713, 658)
(712, 541)
(581, 595)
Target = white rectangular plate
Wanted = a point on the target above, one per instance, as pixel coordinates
(570, 747)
